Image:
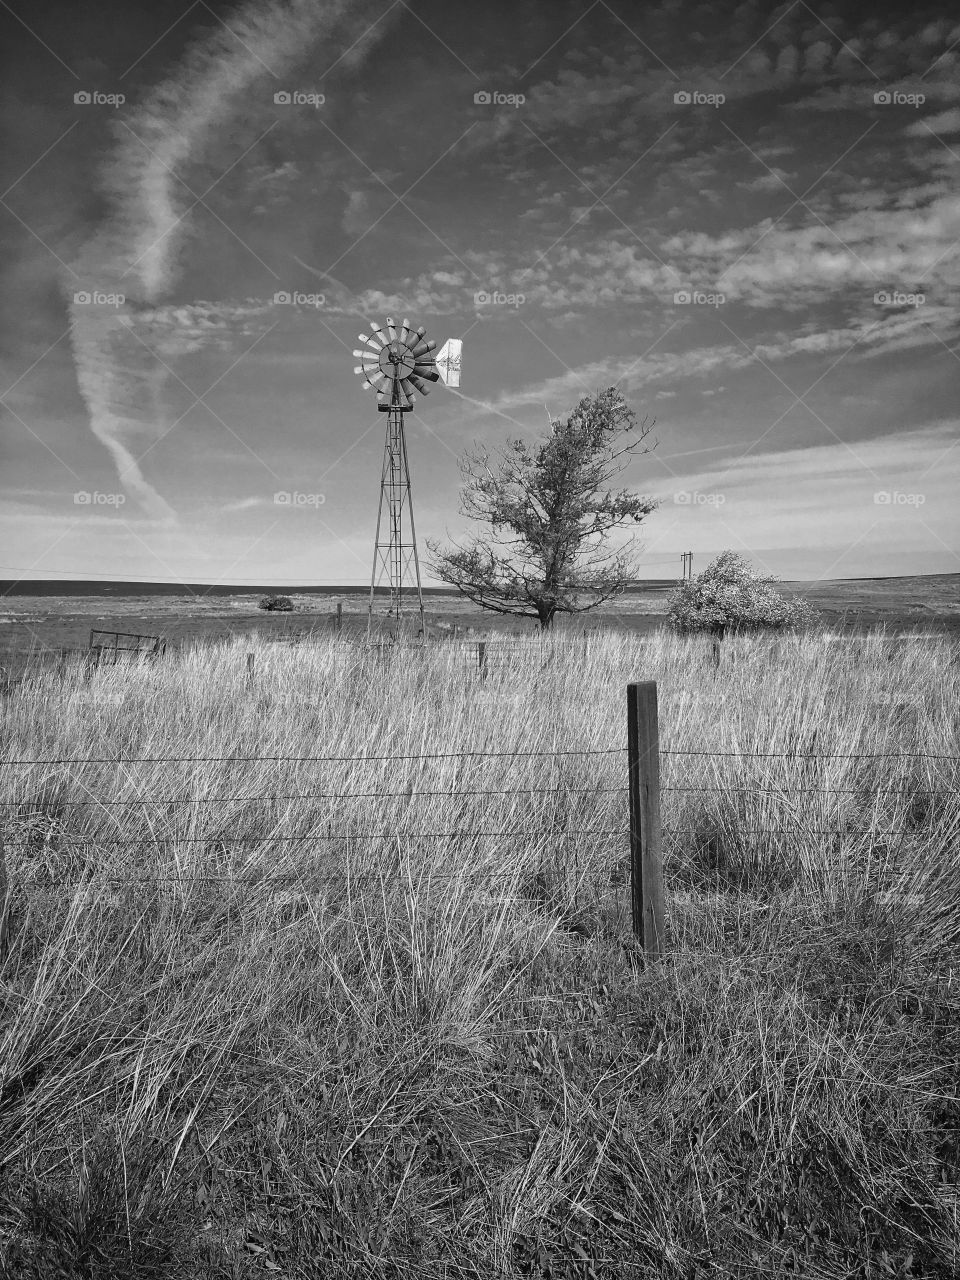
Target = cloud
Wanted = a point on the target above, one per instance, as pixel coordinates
(134, 251)
(825, 496)
(247, 504)
(769, 264)
(177, 330)
(356, 216)
(946, 122)
(775, 180)
(900, 332)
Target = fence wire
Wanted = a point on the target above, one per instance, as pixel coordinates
(552, 753)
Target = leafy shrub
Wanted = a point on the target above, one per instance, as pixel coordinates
(728, 595)
(277, 604)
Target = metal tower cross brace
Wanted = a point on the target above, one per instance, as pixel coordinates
(395, 556)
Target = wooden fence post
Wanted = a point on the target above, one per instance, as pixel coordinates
(716, 653)
(4, 890)
(482, 658)
(643, 768)
(339, 617)
(250, 662)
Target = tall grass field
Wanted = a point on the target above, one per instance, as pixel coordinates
(328, 971)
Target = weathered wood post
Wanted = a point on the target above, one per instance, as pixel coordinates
(250, 664)
(646, 862)
(718, 631)
(339, 617)
(482, 658)
(4, 890)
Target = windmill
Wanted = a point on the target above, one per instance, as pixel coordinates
(399, 365)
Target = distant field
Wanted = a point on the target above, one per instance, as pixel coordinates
(63, 621)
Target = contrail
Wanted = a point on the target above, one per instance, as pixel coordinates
(133, 254)
(341, 296)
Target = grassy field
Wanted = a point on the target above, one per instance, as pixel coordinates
(331, 973)
(63, 615)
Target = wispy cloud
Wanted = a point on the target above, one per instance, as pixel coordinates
(133, 254)
(246, 504)
(946, 123)
(899, 332)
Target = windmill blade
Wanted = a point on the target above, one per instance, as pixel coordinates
(427, 371)
(364, 354)
(422, 387)
(375, 378)
(376, 338)
(422, 348)
(405, 332)
(391, 331)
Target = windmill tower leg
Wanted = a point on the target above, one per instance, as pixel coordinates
(395, 551)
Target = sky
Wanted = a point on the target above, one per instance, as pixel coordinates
(746, 217)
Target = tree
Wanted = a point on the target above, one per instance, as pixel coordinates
(277, 604)
(729, 596)
(550, 514)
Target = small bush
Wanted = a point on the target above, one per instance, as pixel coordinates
(728, 595)
(277, 604)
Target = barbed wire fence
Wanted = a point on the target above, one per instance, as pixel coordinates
(616, 844)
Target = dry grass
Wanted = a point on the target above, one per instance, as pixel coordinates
(238, 1043)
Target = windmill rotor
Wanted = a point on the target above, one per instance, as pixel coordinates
(398, 364)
